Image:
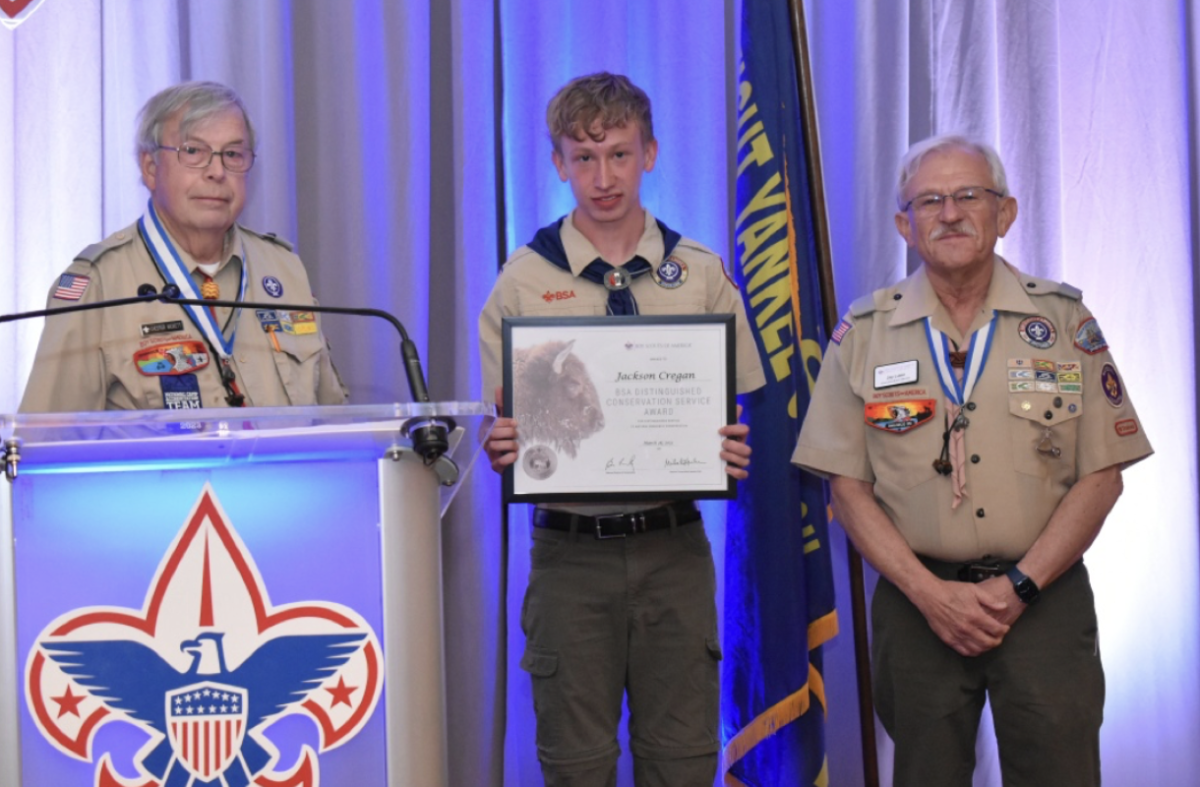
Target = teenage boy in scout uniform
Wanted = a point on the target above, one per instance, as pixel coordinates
(608, 616)
(974, 428)
(195, 148)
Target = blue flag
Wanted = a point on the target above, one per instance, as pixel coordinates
(779, 604)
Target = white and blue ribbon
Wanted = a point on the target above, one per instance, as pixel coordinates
(959, 391)
(170, 265)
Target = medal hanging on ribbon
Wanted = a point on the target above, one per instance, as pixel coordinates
(958, 394)
(170, 265)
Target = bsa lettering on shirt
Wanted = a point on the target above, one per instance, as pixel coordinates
(561, 295)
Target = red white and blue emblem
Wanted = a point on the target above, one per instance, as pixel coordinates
(840, 331)
(1039, 332)
(1110, 381)
(71, 287)
(204, 669)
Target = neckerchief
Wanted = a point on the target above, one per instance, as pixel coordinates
(548, 243)
(958, 393)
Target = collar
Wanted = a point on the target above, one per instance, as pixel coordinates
(233, 245)
(564, 245)
(1005, 294)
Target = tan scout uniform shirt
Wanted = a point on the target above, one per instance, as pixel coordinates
(531, 286)
(86, 360)
(1011, 488)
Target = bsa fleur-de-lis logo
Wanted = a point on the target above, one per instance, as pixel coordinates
(14, 12)
(203, 669)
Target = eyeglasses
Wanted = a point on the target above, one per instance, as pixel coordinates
(197, 155)
(967, 198)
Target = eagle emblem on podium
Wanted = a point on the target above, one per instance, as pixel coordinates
(203, 669)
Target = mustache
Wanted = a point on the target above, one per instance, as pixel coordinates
(957, 228)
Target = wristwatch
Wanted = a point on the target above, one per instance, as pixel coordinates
(1027, 589)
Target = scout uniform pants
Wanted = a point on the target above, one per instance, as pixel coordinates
(603, 617)
(1044, 681)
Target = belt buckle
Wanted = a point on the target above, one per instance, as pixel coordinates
(978, 572)
(600, 520)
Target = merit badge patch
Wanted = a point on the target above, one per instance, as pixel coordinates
(181, 392)
(1044, 366)
(269, 319)
(899, 417)
(672, 273)
(162, 327)
(298, 323)
(71, 287)
(1039, 332)
(1020, 386)
(1126, 427)
(1089, 338)
(840, 331)
(1111, 382)
(1019, 363)
(1020, 374)
(171, 358)
(273, 286)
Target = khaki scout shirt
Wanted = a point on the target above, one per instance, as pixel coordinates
(860, 422)
(531, 286)
(88, 360)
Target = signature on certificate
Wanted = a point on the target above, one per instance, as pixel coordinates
(686, 461)
(620, 466)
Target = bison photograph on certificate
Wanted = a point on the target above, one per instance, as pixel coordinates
(626, 406)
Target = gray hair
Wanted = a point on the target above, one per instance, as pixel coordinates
(199, 102)
(912, 160)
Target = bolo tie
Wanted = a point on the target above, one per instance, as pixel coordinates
(209, 291)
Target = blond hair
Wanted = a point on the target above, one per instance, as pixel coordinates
(604, 99)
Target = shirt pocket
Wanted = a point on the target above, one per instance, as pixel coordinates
(1043, 429)
(297, 365)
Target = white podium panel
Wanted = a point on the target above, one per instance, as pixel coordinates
(235, 602)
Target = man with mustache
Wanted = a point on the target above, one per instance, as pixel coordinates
(195, 148)
(976, 518)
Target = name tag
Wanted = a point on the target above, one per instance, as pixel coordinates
(894, 374)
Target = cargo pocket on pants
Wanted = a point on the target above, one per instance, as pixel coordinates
(539, 663)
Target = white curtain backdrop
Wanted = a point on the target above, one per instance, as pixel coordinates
(402, 149)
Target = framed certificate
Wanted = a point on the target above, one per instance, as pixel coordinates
(619, 408)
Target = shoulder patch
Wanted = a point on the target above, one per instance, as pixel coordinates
(269, 236)
(844, 327)
(863, 306)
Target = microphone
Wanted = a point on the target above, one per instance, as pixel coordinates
(429, 435)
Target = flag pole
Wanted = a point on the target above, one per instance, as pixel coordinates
(808, 117)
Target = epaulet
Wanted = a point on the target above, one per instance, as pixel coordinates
(692, 245)
(269, 236)
(863, 306)
(97, 250)
(1036, 286)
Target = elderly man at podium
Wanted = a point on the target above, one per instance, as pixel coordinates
(195, 149)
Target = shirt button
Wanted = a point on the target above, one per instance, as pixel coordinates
(897, 297)
(971, 406)
(979, 513)
(974, 459)
(1058, 401)
(1048, 415)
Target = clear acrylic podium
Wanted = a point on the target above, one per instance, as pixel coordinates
(196, 546)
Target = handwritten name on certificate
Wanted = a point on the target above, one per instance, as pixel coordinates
(625, 407)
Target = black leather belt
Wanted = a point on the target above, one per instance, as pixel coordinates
(618, 525)
(975, 571)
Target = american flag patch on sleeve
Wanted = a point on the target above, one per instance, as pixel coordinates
(840, 331)
(71, 287)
